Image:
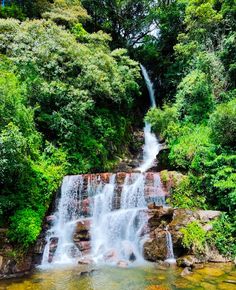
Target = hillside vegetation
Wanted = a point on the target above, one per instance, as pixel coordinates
(70, 88)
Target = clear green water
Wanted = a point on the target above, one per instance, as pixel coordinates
(149, 277)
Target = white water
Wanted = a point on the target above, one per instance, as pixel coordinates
(170, 252)
(151, 145)
(63, 224)
(117, 233)
(118, 218)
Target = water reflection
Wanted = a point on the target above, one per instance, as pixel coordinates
(151, 277)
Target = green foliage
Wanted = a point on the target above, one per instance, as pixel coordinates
(183, 195)
(194, 237)
(223, 123)
(25, 227)
(65, 107)
(12, 11)
(13, 152)
(218, 180)
(223, 235)
(117, 18)
(192, 144)
(161, 119)
(66, 12)
(156, 52)
(194, 98)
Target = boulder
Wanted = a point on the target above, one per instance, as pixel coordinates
(82, 231)
(83, 225)
(155, 249)
(208, 215)
(186, 261)
(181, 217)
(159, 215)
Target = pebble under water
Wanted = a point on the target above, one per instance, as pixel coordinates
(149, 277)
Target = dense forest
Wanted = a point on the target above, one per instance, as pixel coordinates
(70, 98)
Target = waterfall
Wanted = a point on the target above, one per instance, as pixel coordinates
(151, 144)
(149, 85)
(118, 212)
(59, 236)
(116, 234)
(170, 252)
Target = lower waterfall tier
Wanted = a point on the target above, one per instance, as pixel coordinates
(103, 216)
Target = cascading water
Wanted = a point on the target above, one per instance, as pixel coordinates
(151, 145)
(117, 233)
(118, 214)
(170, 252)
(149, 85)
(63, 225)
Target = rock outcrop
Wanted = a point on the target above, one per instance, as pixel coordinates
(161, 219)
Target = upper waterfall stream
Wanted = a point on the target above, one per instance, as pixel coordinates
(115, 211)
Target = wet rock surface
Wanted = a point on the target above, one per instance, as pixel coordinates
(163, 218)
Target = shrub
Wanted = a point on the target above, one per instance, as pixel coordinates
(194, 237)
(193, 143)
(194, 98)
(223, 123)
(25, 227)
(223, 235)
(161, 118)
(184, 196)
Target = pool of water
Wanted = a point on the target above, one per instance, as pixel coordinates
(149, 277)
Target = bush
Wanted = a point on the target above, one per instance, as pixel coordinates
(13, 154)
(194, 97)
(160, 119)
(223, 123)
(184, 196)
(12, 11)
(25, 227)
(192, 144)
(219, 181)
(194, 237)
(223, 235)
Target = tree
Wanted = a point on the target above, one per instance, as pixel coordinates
(126, 20)
(223, 123)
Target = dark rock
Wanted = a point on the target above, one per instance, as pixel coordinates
(132, 257)
(158, 215)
